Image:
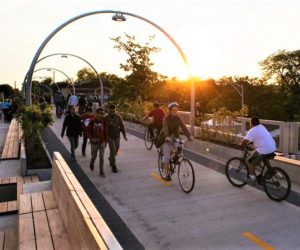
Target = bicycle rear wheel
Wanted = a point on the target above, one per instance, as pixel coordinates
(186, 175)
(277, 184)
(161, 168)
(148, 140)
(236, 172)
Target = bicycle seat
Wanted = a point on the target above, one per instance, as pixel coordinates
(270, 156)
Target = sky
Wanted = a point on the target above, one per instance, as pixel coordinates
(218, 37)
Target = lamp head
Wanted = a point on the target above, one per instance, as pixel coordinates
(119, 17)
(64, 56)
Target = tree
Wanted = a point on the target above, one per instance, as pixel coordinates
(85, 74)
(283, 68)
(141, 81)
(7, 90)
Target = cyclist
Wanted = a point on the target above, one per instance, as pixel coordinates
(158, 115)
(171, 124)
(263, 142)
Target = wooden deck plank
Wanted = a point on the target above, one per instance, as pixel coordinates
(5, 180)
(42, 231)
(10, 240)
(26, 231)
(12, 206)
(1, 240)
(49, 200)
(19, 188)
(13, 179)
(25, 205)
(27, 179)
(3, 207)
(37, 202)
(57, 229)
(35, 178)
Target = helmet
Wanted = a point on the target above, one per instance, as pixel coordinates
(172, 105)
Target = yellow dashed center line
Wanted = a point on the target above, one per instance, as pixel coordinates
(158, 177)
(258, 241)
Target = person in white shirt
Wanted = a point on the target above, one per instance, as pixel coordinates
(263, 142)
(73, 100)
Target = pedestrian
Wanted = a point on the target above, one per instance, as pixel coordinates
(97, 132)
(1, 110)
(73, 100)
(82, 105)
(115, 127)
(86, 118)
(95, 104)
(5, 108)
(72, 123)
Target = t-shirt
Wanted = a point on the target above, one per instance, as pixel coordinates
(158, 115)
(262, 139)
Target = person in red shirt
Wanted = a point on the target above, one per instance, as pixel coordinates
(97, 132)
(85, 119)
(158, 115)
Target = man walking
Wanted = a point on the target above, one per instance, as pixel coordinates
(73, 101)
(115, 127)
(72, 123)
(86, 119)
(97, 133)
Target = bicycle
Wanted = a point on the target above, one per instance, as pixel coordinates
(276, 182)
(148, 139)
(185, 169)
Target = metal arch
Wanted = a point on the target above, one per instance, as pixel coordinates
(67, 54)
(59, 72)
(42, 46)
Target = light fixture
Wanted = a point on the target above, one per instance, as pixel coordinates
(64, 56)
(119, 17)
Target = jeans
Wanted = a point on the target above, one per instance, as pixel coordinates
(114, 145)
(94, 151)
(84, 142)
(74, 143)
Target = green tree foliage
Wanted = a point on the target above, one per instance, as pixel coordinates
(283, 68)
(85, 74)
(7, 90)
(140, 80)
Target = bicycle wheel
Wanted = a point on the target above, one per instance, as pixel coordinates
(148, 140)
(186, 175)
(277, 184)
(161, 168)
(236, 172)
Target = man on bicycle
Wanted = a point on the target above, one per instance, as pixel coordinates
(171, 124)
(158, 115)
(263, 142)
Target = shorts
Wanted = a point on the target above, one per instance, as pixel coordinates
(255, 158)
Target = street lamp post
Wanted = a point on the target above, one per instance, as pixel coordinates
(54, 69)
(239, 88)
(65, 55)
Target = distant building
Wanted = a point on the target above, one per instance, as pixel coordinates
(90, 88)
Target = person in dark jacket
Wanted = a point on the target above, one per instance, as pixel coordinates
(97, 132)
(73, 125)
(86, 118)
(115, 127)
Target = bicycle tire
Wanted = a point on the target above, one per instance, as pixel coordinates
(237, 178)
(185, 170)
(161, 169)
(147, 139)
(272, 180)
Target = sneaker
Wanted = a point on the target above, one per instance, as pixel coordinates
(102, 174)
(168, 178)
(114, 169)
(251, 180)
(92, 167)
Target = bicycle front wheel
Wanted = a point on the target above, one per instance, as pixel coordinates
(277, 184)
(161, 168)
(148, 140)
(186, 175)
(236, 172)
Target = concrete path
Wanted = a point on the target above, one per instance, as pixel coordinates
(214, 216)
